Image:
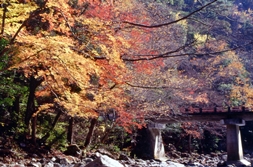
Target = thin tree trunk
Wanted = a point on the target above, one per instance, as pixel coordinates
(15, 111)
(103, 139)
(16, 106)
(30, 109)
(70, 130)
(34, 123)
(56, 119)
(90, 133)
(189, 143)
(44, 138)
(3, 18)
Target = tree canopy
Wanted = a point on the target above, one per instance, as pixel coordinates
(137, 58)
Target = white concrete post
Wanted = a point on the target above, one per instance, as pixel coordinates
(234, 143)
(157, 141)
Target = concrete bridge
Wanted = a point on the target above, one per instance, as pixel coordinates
(231, 117)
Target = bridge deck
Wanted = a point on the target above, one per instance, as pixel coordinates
(206, 114)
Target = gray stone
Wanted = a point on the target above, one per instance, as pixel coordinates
(173, 164)
(224, 157)
(35, 164)
(53, 159)
(87, 160)
(79, 165)
(16, 165)
(239, 163)
(43, 160)
(195, 164)
(57, 165)
(108, 153)
(142, 162)
(104, 161)
(49, 164)
(126, 158)
(2, 164)
(63, 161)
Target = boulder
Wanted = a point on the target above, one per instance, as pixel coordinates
(108, 153)
(174, 164)
(104, 161)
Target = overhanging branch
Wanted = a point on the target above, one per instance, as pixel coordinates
(147, 87)
(172, 22)
(149, 57)
(170, 54)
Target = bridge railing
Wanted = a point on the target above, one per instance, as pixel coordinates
(192, 110)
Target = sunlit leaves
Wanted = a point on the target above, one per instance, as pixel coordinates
(76, 49)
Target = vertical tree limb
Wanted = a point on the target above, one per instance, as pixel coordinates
(34, 123)
(3, 18)
(44, 138)
(70, 130)
(30, 109)
(90, 133)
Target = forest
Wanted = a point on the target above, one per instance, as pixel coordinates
(89, 72)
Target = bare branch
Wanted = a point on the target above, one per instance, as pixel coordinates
(154, 87)
(32, 15)
(172, 22)
(165, 55)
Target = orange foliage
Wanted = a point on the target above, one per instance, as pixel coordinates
(148, 67)
(192, 129)
(113, 73)
(103, 12)
(124, 118)
(67, 47)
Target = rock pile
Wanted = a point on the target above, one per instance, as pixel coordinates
(95, 160)
(101, 158)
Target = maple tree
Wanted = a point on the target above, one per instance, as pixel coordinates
(71, 54)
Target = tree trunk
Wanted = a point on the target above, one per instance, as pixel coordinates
(56, 119)
(103, 139)
(15, 111)
(34, 123)
(30, 109)
(16, 106)
(189, 143)
(44, 138)
(70, 130)
(90, 133)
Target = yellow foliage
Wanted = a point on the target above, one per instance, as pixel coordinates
(124, 5)
(55, 58)
(200, 38)
(182, 22)
(16, 15)
(243, 93)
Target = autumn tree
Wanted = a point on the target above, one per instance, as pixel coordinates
(71, 54)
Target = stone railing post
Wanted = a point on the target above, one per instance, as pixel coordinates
(234, 143)
(156, 140)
